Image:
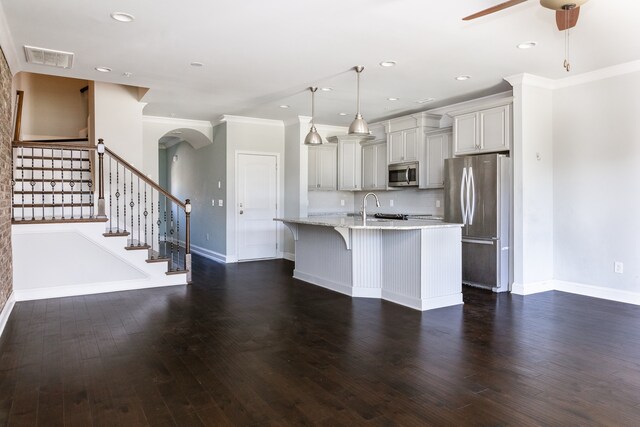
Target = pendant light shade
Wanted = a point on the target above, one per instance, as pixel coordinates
(359, 125)
(313, 137)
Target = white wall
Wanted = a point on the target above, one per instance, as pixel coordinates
(53, 107)
(532, 154)
(118, 120)
(597, 182)
(250, 135)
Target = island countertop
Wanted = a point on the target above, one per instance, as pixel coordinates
(355, 222)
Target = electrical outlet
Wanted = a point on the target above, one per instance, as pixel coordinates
(341, 202)
(220, 202)
(618, 267)
(391, 203)
(437, 203)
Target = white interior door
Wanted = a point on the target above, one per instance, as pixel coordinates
(257, 206)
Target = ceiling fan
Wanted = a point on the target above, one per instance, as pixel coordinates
(567, 11)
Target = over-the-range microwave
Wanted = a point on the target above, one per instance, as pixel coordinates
(403, 174)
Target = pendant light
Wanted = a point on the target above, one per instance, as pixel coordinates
(359, 125)
(313, 137)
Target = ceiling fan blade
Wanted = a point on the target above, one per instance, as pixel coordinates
(493, 9)
(566, 19)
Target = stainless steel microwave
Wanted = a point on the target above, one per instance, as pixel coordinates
(403, 175)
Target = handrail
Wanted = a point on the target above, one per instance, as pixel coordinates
(143, 177)
(18, 122)
(60, 146)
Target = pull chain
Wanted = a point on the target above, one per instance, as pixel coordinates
(567, 36)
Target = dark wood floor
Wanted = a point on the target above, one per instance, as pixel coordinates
(248, 345)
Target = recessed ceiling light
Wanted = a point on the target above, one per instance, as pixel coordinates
(284, 106)
(463, 78)
(123, 17)
(424, 101)
(196, 64)
(388, 63)
(342, 114)
(127, 74)
(392, 99)
(527, 45)
(326, 89)
(103, 69)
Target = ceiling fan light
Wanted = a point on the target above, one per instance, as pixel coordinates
(560, 4)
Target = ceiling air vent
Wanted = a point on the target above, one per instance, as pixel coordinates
(53, 58)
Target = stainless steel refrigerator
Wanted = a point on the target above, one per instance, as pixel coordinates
(477, 194)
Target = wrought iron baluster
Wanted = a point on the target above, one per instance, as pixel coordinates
(124, 197)
(152, 237)
(131, 204)
(72, 184)
(62, 178)
(178, 245)
(53, 185)
(161, 250)
(42, 188)
(145, 213)
(139, 239)
(90, 184)
(33, 187)
(117, 196)
(110, 200)
(171, 237)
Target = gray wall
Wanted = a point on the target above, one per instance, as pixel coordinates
(195, 175)
(597, 182)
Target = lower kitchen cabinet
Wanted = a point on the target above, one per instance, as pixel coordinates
(323, 167)
(374, 166)
(437, 148)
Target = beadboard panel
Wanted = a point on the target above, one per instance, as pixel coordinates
(321, 252)
(366, 248)
(402, 262)
(441, 253)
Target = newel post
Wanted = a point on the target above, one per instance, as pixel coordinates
(187, 240)
(101, 207)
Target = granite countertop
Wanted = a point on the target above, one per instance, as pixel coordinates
(356, 222)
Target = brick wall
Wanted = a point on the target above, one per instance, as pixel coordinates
(6, 272)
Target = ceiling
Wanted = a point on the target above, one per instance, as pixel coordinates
(259, 54)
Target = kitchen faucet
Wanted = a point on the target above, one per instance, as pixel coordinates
(364, 205)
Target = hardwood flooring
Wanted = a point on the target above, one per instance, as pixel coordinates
(248, 345)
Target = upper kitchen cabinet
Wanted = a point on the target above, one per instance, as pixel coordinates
(437, 148)
(374, 166)
(349, 161)
(483, 131)
(323, 167)
(404, 136)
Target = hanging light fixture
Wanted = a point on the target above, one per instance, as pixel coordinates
(359, 125)
(313, 137)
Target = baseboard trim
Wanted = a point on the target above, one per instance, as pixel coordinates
(532, 288)
(6, 311)
(423, 304)
(598, 292)
(289, 255)
(209, 254)
(87, 289)
(327, 284)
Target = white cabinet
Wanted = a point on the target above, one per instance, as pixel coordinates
(322, 167)
(374, 166)
(482, 131)
(403, 146)
(349, 165)
(437, 148)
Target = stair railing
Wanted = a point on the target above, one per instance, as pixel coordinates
(138, 207)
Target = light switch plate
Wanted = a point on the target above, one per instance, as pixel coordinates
(220, 202)
(437, 203)
(618, 267)
(213, 202)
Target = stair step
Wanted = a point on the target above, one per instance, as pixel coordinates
(158, 259)
(171, 272)
(134, 245)
(57, 220)
(117, 233)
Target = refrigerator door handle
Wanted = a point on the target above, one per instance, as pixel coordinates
(462, 206)
(473, 196)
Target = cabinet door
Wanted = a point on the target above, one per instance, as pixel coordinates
(465, 134)
(437, 149)
(312, 171)
(381, 166)
(327, 167)
(495, 133)
(349, 165)
(410, 145)
(396, 147)
(369, 167)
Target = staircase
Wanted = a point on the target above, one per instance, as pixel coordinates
(70, 185)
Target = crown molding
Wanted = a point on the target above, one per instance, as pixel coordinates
(174, 121)
(251, 120)
(525, 79)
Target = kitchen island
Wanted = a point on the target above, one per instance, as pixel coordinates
(416, 263)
